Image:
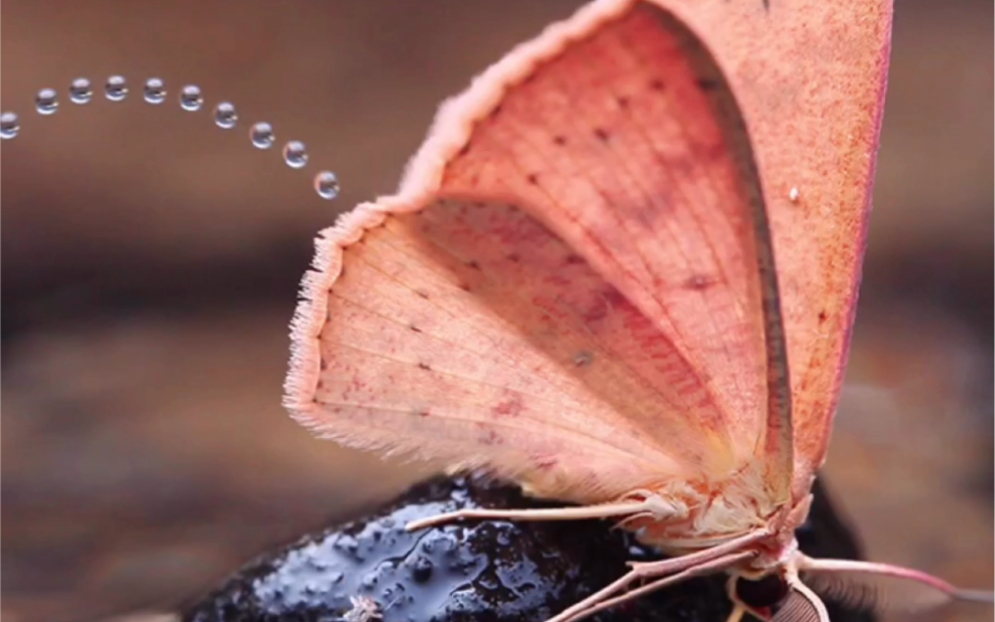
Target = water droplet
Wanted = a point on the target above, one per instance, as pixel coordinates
(225, 115)
(327, 185)
(794, 195)
(47, 101)
(80, 91)
(116, 88)
(9, 125)
(295, 154)
(190, 98)
(421, 571)
(155, 91)
(262, 136)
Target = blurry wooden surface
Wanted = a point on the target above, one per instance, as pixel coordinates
(150, 264)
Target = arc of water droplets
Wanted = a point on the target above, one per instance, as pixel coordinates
(261, 134)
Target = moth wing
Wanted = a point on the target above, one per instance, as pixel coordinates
(575, 284)
(810, 77)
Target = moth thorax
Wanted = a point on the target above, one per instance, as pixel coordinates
(190, 98)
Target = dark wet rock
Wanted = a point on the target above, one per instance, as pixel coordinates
(487, 571)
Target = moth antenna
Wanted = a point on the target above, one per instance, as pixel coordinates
(191, 99)
(882, 587)
(801, 605)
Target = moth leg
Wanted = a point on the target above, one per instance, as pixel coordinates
(651, 570)
(664, 574)
(654, 506)
(737, 613)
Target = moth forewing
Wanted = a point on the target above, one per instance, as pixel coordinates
(583, 284)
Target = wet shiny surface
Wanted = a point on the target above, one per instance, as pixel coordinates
(468, 571)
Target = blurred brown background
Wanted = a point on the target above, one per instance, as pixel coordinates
(150, 263)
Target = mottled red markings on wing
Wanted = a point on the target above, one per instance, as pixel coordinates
(496, 366)
(797, 72)
(511, 407)
(650, 196)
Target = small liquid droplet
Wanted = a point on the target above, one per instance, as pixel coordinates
(326, 183)
(262, 136)
(225, 115)
(47, 101)
(295, 154)
(190, 98)
(155, 91)
(9, 125)
(116, 88)
(421, 572)
(80, 91)
(793, 195)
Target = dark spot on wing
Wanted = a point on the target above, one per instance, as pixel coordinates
(490, 437)
(559, 140)
(699, 282)
(707, 84)
(601, 134)
(597, 312)
(546, 463)
(623, 101)
(656, 85)
(414, 328)
(533, 179)
(573, 259)
(473, 264)
(421, 294)
(823, 316)
(583, 358)
(613, 297)
(511, 407)
(424, 366)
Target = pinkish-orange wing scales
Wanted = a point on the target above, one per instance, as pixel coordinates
(810, 78)
(468, 333)
(615, 131)
(629, 145)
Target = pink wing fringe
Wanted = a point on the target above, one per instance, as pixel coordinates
(422, 178)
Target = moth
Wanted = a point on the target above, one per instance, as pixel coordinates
(622, 271)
